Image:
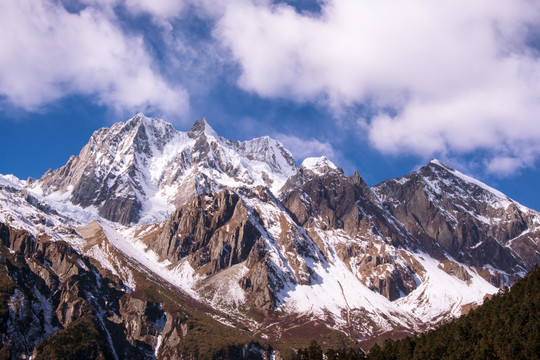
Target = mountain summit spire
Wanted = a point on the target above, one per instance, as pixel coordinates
(201, 127)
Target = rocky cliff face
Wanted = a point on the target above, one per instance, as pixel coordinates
(213, 231)
(473, 223)
(320, 196)
(49, 292)
(223, 236)
(152, 239)
(52, 287)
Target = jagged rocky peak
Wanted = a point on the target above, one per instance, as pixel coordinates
(138, 128)
(319, 195)
(152, 130)
(322, 166)
(475, 187)
(438, 164)
(312, 168)
(201, 127)
(357, 179)
(443, 178)
(143, 168)
(439, 181)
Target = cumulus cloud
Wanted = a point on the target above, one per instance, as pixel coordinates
(163, 13)
(505, 165)
(436, 77)
(162, 9)
(49, 53)
(302, 148)
(440, 76)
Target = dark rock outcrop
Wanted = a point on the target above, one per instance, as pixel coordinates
(328, 199)
(325, 198)
(47, 287)
(213, 231)
(473, 224)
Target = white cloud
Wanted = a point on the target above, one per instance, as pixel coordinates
(441, 76)
(162, 8)
(48, 53)
(505, 165)
(302, 148)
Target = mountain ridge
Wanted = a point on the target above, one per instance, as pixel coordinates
(239, 229)
(134, 167)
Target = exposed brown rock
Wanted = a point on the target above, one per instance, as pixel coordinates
(329, 200)
(440, 209)
(55, 287)
(454, 269)
(214, 232)
(332, 201)
(143, 321)
(17, 240)
(71, 303)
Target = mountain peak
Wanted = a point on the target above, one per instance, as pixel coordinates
(201, 127)
(439, 163)
(151, 123)
(138, 119)
(319, 165)
(356, 179)
(436, 162)
(443, 170)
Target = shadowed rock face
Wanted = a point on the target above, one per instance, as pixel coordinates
(54, 287)
(109, 171)
(326, 199)
(331, 200)
(221, 235)
(471, 223)
(47, 289)
(214, 232)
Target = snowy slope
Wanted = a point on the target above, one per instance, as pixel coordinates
(404, 255)
(140, 170)
(330, 288)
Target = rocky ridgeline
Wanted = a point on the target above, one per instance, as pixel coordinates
(474, 224)
(123, 167)
(245, 248)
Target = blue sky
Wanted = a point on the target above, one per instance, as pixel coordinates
(377, 86)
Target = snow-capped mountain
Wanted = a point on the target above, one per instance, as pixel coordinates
(180, 226)
(468, 220)
(144, 168)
